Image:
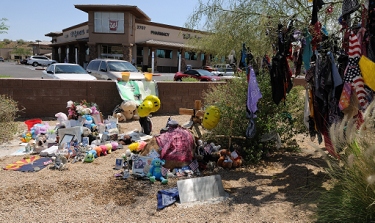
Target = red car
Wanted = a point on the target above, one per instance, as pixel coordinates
(200, 74)
(209, 68)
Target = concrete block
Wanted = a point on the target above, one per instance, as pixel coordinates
(200, 189)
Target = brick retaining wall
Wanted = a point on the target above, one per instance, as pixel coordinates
(45, 98)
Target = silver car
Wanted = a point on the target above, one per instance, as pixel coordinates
(40, 61)
(112, 69)
(66, 71)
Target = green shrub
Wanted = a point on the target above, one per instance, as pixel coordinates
(352, 196)
(285, 118)
(189, 79)
(8, 113)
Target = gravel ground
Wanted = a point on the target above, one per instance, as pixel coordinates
(283, 188)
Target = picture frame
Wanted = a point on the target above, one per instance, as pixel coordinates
(67, 138)
(85, 141)
(141, 164)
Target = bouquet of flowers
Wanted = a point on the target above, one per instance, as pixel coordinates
(137, 147)
(77, 109)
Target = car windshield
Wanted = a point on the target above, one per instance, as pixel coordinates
(69, 69)
(121, 66)
(204, 72)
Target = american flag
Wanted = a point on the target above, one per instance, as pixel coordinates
(194, 165)
(164, 171)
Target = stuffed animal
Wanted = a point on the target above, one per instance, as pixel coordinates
(89, 122)
(98, 150)
(104, 150)
(225, 159)
(61, 117)
(126, 111)
(155, 171)
(90, 156)
(109, 148)
(228, 160)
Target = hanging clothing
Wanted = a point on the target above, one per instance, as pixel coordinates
(281, 82)
(253, 92)
(307, 50)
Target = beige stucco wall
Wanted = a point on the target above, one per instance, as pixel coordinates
(144, 32)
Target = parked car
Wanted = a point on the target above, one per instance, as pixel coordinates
(200, 74)
(1, 59)
(40, 61)
(23, 61)
(67, 71)
(208, 68)
(112, 69)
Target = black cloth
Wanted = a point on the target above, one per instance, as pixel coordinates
(281, 82)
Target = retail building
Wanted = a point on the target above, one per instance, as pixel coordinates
(126, 32)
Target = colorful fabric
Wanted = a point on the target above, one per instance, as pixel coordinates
(39, 163)
(164, 171)
(136, 90)
(18, 164)
(345, 96)
(167, 197)
(194, 165)
(359, 86)
(253, 92)
(176, 144)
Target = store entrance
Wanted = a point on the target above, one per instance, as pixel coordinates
(139, 60)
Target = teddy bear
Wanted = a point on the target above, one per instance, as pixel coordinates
(126, 111)
(155, 171)
(225, 160)
(228, 160)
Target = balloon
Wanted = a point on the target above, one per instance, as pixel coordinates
(211, 117)
(155, 100)
(144, 109)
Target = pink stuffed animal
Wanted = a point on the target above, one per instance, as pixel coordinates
(104, 150)
(61, 117)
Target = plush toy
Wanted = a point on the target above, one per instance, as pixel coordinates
(90, 156)
(89, 121)
(126, 111)
(109, 148)
(61, 117)
(104, 150)
(72, 113)
(98, 150)
(114, 145)
(228, 159)
(225, 159)
(155, 171)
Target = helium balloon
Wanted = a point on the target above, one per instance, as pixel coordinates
(144, 109)
(211, 117)
(155, 100)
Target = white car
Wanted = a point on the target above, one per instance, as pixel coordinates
(67, 71)
(39, 61)
(112, 69)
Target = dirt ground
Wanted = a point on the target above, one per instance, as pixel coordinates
(282, 188)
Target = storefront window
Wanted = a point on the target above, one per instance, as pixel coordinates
(190, 56)
(160, 53)
(111, 51)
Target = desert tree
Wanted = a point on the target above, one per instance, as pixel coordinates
(3, 26)
(233, 22)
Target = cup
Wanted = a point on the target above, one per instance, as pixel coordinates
(125, 76)
(148, 76)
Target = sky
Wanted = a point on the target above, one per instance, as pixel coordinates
(31, 20)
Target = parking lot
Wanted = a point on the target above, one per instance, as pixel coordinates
(14, 70)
